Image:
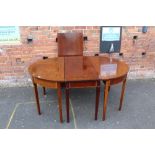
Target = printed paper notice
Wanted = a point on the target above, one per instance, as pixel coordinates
(110, 33)
(108, 69)
(9, 35)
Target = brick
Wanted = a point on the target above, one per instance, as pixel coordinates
(89, 27)
(67, 27)
(80, 27)
(44, 45)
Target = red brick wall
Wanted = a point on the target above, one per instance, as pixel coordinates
(14, 59)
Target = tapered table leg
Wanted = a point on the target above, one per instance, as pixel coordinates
(106, 92)
(109, 88)
(122, 94)
(44, 91)
(97, 99)
(67, 102)
(60, 102)
(37, 98)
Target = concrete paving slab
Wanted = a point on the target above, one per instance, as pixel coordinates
(5, 113)
(27, 117)
(18, 109)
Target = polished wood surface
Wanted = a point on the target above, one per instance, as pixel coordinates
(80, 68)
(83, 68)
(70, 44)
(97, 61)
(51, 69)
(77, 72)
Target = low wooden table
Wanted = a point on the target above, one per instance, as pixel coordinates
(77, 72)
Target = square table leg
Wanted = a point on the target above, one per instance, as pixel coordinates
(97, 99)
(67, 101)
(37, 98)
(44, 91)
(60, 101)
(122, 94)
(106, 92)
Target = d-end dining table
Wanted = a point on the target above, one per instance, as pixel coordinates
(77, 72)
(48, 73)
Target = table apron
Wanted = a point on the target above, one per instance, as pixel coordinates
(76, 84)
(116, 80)
(82, 84)
(46, 83)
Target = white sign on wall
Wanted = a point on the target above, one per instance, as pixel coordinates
(110, 33)
(9, 35)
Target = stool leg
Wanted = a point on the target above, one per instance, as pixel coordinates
(97, 99)
(60, 102)
(37, 98)
(44, 91)
(67, 102)
(122, 94)
(106, 92)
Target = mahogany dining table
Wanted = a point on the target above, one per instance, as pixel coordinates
(69, 71)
